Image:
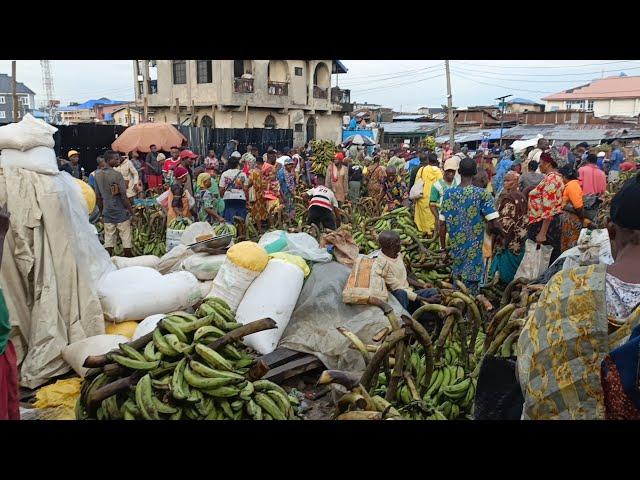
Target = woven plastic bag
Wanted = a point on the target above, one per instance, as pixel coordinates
(535, 261)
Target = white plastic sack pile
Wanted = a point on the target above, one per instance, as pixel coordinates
(195, 230)
(231, 283)
(76, 353)
(149, 261)
(135, 293)
(273, 294)
(301, 244)
(27, 134)
(172, 261)
(203, 265)
(593, 247)
(38, 159)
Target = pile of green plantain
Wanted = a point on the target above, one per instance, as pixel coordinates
(188, 368)
(419, 375)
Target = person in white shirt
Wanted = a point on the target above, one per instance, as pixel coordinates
(131, 178)
(233, 184)
(389, 265)
(323, 205)
(543, 146)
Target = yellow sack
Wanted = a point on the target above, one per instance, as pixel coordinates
(248, 255)
(88, 194)
(294, 260)
(61, 397)
(126, 329)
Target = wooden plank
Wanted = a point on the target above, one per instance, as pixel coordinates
(280, 356)
(293, 369)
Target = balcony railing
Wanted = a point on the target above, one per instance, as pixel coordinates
(243, 85)
(319, 92)
(340, 96)
(278, 88)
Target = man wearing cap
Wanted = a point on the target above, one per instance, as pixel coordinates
(600, 160)
(186, 160)
(74, 166)
(593, 180)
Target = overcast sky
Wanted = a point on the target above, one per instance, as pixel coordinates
(406, 84)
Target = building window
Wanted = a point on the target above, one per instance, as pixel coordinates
(25, 101)
(204, 71)
(270, 122)
(298, 127)
(298, 71)
(3, 114)
(574, 104)
(179, 72)
(589, 105)
(2, 100)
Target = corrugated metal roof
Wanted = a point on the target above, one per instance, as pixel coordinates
(523, 101)
(473, 135)
(89, 104)
(576, 133)
(410, 127)
(610, 87)
(408, 117)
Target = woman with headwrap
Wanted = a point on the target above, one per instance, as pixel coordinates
(338, 178)
(178, 203)
(574, 359)
(257, 201)
(287, 179)
(206, 203)
(375, 176)
(395, 190)
(512, 207)
(572, 219)
(545, 207)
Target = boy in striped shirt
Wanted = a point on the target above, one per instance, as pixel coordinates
(323, 205)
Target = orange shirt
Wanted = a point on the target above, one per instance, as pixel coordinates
(572, 193)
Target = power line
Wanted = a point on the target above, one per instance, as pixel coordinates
(399, 84)
(475, 72)
(571, 80)
(393, 73)
(390, 77)
(549, 66)
(501, 86)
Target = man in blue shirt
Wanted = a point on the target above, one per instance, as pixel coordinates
(600, 161)
(413, 163)
(616, 159)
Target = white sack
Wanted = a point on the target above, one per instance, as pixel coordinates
(173, 238)
(301, 244)
(203, 265)
(172, 261)
(273, 294)
(76, 353)
(147, 325)
(38, 159)
(195, 230)
(135, 293)
(49, 271)
(26, 134)
(232, 282)
(149, 261)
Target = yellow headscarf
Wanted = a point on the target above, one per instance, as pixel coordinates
(203, 177)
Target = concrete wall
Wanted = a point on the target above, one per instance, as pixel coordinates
(221, 90)
(624, 106)
(327, 126)
(522, 108)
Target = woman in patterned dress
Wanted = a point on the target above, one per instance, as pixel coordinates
(512, 207)
(257, 201)
(545, 207)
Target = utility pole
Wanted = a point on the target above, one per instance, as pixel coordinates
(502, 115)
(14, 96)
(449, 104)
